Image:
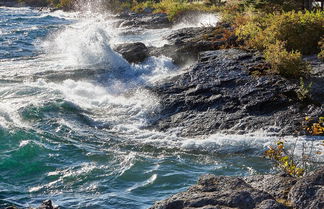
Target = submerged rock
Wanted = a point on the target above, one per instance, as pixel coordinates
(223, 92)
(255, 192)
(133, 52)
(46, 204)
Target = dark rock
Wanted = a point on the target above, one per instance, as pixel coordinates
(270, 204)
(308, 192)
(278, 186)
(220, 192)
(220, 93)
(133, 52)
(316, 78)
(149, 21)
(47, 204)
(148, 10)
(186, 44)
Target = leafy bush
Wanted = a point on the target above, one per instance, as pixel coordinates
(304, 91)
(40, 3)
(285, 162)
(300, 31)
(234, 9)
(289, 64)
(139, 7)
(66, 4)
(274, 5)
(174, 8)
(315, 126)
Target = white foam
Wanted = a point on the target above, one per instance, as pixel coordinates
(86, 43)
(118, 101)
(149, 181)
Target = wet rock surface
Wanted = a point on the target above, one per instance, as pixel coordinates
(46, 204)
(221, 192)
(308, 192)
(276, 185)
(185, 44)
(222, 93)
(148, 21)
(133, 52)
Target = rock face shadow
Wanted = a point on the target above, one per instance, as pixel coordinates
(222, 93)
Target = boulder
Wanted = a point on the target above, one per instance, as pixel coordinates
(253, 192)
(185, 44)
(308, 192)
(220, 192)
(276, 185)
(230, 91)
(133, 52)
(47, 204)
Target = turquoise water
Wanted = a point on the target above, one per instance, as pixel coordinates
(73, 116)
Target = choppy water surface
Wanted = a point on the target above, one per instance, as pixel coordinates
(73, 116)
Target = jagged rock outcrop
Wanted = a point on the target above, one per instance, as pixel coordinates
(149, 21)
(254, 192)
(308, 192)
(133, 52)
(220, 192)
(46, 204)
(230, 90)
(185, 44)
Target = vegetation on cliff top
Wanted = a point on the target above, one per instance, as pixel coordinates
(284, 32)
(282, 29)
(174, 8)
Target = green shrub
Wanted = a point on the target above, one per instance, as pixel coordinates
(283, 160)
(39, 3)
(274, 5)
(304, 91)
(289, 64)
(174, 8)
(301, 31)
(139, 7)
(250, 28)
(234, 9)
(66, 4)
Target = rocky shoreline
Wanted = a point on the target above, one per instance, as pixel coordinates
(225, 90)
(253, 192)
(230, 91)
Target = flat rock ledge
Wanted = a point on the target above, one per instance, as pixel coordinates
(253, 192)
(233, 91)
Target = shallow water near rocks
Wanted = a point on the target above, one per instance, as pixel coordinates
(73, 115)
